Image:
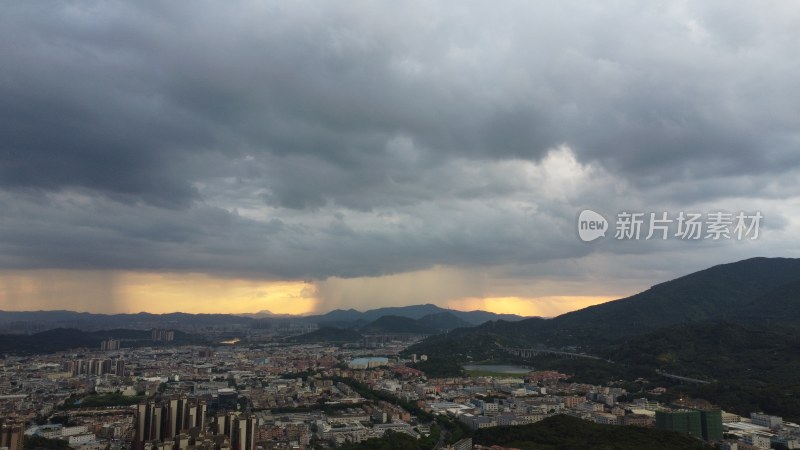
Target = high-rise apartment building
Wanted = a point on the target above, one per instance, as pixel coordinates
(109, 344)
(240, 429)
(12, 433)
(167, 421)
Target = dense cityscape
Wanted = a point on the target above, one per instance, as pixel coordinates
(399, 225)
(273, 395)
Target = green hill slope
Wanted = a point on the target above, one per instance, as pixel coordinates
(396, 325)
(567, 433)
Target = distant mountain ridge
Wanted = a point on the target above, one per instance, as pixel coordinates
(384, 325)
(754, 291)
(414, 312)
(266, 314)
(396, 325)
(716, 293)
(36, 321)
(60, 339)
(736, 326)
(444, 321)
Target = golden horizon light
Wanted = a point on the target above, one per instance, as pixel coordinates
(161, 293)
(547, 306)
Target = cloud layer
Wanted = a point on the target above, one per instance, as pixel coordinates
(309, 140)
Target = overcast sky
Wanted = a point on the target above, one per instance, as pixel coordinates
(301, 156)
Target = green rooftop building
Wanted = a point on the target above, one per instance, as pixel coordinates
(711, 424)
(700, 423)
(685, 421)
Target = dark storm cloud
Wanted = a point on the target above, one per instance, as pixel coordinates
(90, 233)
(311, 139)
(74, 115)
(105, 95)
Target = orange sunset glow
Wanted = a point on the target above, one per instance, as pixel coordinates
(549, 306)
(160, 293)
(131, 292)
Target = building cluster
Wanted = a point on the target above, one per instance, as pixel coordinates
(160, 423)
(161, 335)
(291, 396)
(94, 366)
(76, 435)
(368, 363)
(485, 402)
(760, 431)
(110, 344)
